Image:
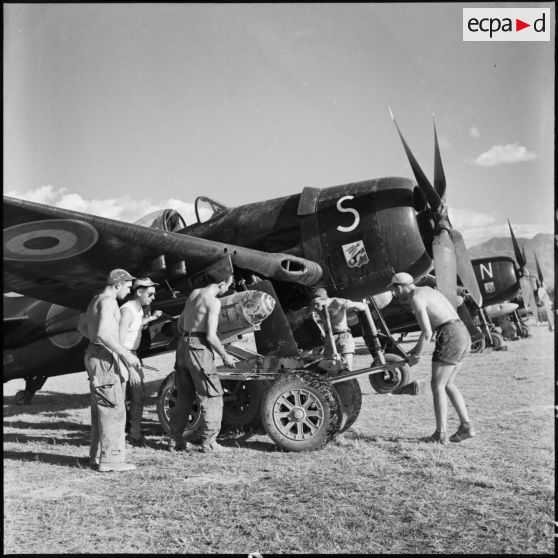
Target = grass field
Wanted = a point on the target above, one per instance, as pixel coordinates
(376, 489)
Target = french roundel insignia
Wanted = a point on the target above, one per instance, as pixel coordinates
(51, 240)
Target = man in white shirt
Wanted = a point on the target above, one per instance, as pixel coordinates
(132, 321)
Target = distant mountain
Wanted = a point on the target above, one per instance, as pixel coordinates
(542, 244)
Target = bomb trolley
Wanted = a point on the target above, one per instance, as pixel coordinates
(302, 400)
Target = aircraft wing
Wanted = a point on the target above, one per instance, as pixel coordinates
(64, 256)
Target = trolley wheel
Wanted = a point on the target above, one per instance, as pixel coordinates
(390, 380)
(166, 399)
(300, 412)
(478, 345)
(242, 402)
(524, 331)
(497, 341)
(350, 402)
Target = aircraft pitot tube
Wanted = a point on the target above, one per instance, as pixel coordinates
(448, 248)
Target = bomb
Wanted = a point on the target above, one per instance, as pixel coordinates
(244, 311)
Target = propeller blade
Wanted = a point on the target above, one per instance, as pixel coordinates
(527, 294)
(543, 295)
(539, 270)
(518, 255)
(523, 253)
(439, 176)
(465, 268)
(443, 252)
(427, 189)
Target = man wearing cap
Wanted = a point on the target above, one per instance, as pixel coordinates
(102, 361)
(435, 314)
(195, 370)
(337, 310)
(132, 321)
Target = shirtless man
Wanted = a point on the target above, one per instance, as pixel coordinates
(195, 370)
(106, 375)
(132, 322)
(337, 309)
(435, 314)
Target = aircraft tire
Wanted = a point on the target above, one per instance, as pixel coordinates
(349, 401)
(300, 412)
(242, 403)
(524, 331)
(390, 380)
(497, 341)
(478, 345)
(166, 398)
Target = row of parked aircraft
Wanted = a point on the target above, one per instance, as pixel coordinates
(349, 239)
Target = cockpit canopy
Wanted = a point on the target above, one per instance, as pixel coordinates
(206, 208)
(163, 219)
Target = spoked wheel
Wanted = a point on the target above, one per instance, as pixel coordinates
(497, 341)
(350, 401)
(300, 412)
(242, 402)
(478, 345)
(166, 399)
(389, 380)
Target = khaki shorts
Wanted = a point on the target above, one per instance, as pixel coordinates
(343, 341)
(453, 342)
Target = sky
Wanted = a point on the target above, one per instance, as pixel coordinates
(122, 109)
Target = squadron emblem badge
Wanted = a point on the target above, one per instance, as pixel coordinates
(355, 254)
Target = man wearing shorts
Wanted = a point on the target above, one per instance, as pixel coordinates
(337, 310)
(436, 315)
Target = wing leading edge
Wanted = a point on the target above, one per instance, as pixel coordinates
(63, 256)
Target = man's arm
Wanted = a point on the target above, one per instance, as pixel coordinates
(214, 307)
(419, 307)
(126, 319)
(105, 334)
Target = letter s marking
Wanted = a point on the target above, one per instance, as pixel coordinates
(348, 210)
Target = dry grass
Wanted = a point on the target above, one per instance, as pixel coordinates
(374, 490)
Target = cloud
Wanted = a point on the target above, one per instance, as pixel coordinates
(474, 132)
(123, 208)
(477, 228)
(503, 155)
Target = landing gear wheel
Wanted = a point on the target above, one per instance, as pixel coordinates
(497, 341)
(349, 401)
(300, 412)
(23, 397)
(390, 380)
(524, 331)
(166, 399)
(478, 345)
(242, 403)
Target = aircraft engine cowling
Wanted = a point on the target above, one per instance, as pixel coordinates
(497, 278)
(364, 232)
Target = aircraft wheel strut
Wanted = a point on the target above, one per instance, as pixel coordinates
(478, 345)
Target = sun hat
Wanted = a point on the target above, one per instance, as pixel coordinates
(401, 278)
(144, 282)
(119, 276)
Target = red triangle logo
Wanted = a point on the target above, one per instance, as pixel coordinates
(519, 25)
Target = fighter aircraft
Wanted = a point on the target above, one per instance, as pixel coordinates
(349, 239)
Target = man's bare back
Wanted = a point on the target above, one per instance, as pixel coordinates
(196, 310)
(98, 315)
(436, 305)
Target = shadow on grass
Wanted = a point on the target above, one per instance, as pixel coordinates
(50, 401)
(52, 458)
